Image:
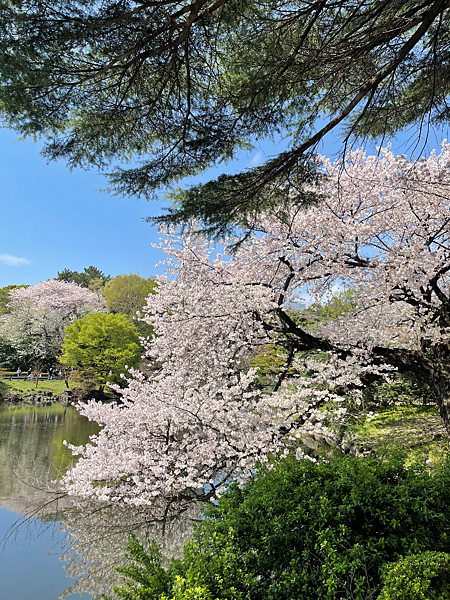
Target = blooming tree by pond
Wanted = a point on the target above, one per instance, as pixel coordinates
(37, 316)
(382, 229)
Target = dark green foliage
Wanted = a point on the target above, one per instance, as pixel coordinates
(8, 354)
(9, 359)
(146, 578)
(406, 388)
(310, 531)
(425, 576)
(176, 86)
(232, 200)
(88, 277)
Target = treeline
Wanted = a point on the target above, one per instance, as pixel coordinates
(82, 323)
(124, 294)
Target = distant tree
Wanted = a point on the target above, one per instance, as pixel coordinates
(4, 296)
(340, 304)
(102, 346)
(91, 276)
(37, 316)
(9, 358)
(127, 294)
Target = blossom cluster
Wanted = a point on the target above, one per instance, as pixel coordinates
(38, 315)
(382, 230)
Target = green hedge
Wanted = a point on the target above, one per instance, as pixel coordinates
(425, 576)
(304, 531)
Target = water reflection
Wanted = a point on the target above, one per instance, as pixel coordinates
(96, 538)
(90, 538)
(31, 448)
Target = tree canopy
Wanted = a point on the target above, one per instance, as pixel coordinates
(127, 294)
(90, 277)
(179, 85)
(383, 231)
(37, 315)
(104, 344)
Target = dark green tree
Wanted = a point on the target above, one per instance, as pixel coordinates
(179, 85)
(323, 531)
(9, 358)
(90, 277)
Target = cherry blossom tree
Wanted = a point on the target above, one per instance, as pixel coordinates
(37, 316)
(382, 230)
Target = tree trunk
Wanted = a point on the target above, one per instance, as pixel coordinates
(440, 381)
(441, 392)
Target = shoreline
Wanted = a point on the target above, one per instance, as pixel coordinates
(39, 398)
(44, 397)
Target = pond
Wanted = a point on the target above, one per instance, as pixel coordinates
(32, 453)
(50, 549)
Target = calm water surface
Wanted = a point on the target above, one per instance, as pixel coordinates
(69, 544)
(31, 453)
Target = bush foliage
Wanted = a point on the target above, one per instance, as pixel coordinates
(303, 530)
(425, 576)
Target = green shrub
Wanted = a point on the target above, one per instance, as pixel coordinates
(307, 531)
(425, 576)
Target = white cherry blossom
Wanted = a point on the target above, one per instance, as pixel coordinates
(383, 230)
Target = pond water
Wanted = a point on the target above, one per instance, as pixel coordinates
(50, 549)
(32, 453)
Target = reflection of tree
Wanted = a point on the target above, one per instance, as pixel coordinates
(72, 428)
(97, 536)
(31, 448)
(92, 537)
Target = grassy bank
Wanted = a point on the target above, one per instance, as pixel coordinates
(27, 387)
(416, 428)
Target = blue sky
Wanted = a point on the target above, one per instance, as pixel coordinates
(51, 218)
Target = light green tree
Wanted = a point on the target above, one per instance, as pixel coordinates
(126, 294)
(101, 347)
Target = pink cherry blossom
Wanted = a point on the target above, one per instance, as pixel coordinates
(39, 314)
(382, 230)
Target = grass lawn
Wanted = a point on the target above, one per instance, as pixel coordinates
(416, 428)
(25, 387)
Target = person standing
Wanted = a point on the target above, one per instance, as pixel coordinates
(19, 371)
